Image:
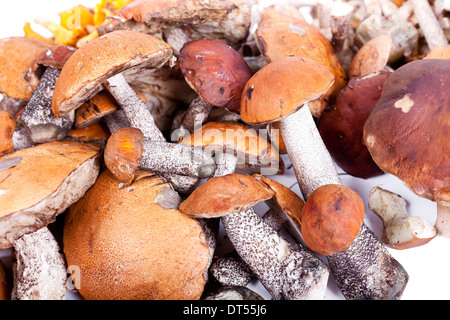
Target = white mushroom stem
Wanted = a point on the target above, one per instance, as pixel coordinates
(116, 120)
(429, 24)
(196, 114)
(342, 32)
(312, 164)
(442, 224)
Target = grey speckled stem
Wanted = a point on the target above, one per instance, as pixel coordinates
(139, 116)
(311, 161)
(38, 117)
(21, 138)
(367, 262)
(286, 273)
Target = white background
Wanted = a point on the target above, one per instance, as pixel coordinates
(428, 266)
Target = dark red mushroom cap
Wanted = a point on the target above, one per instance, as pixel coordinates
(215, 71)
(341, 125)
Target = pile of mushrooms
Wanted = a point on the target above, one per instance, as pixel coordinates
(128, 154)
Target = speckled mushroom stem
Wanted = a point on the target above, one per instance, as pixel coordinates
(116, 120)
(429, 24)
(38, 117)
(139, 116)
(367, 271)
(134, 108)
(21, 138)
(314, 167)
(196, 114)
(174, 158)
(270, 257)
(312, 164)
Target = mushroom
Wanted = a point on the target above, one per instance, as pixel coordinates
(20, 72)
(341, 125)
(280, 92)
(283, 215)
(169, 264)
(127, 150)
(372, 57)
(30, 197)
(245, 147)
(37, 116)
(119, 51)
(286, 273)
(39, 268)
(400, 231)
(281, 35)
(406, 132)
(332, 225)
(271, 91)
(227, 21)
(441, 52)
(7, 127)
(217, 73)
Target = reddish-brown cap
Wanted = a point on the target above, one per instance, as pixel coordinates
(282, 87)
(224, 195)
(341, 125)
(90, 66)
(215, 71)
(331, 219)
(123, 153)
(18, 60)
(55, 56)
(128, 247)
(407, 132)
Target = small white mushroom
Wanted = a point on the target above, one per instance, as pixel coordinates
(400, 230)
(39, 269)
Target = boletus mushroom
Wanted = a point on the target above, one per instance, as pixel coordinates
(160, 254)
(407, 132)
(40, 182)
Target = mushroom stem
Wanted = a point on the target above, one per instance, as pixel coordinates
(134, 108)
(175, 158)
(116, 120)
(429, 24)
(197, 112)
(21, 138)
(442, 224)
(342, 32)
(272, 259)
(38, 117)
(313, 165)
(367, 271)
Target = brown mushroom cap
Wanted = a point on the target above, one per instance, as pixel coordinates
(282, 34)
(282, 87)
(90, 66)
(215, 71)
(341, 125)
(331, 219)
(227, 20)
(127, 247)
(245, 142)
(407, 132)
(38, 183)
(55, 56)
(18, 78)
(7, 127)
(441, 52)
(372, 57)
(123, 153)
(224, 195)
